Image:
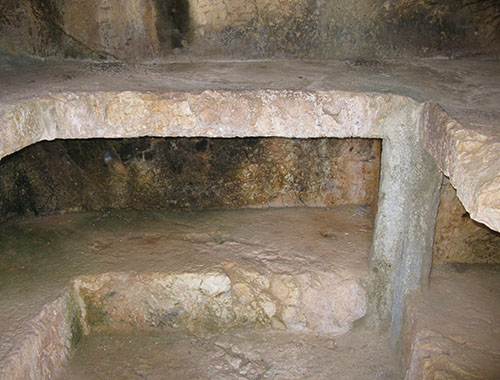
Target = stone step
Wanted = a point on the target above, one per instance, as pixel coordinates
(303, 270)
(207, 302)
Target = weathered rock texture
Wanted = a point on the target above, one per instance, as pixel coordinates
(212, 302)
(196, 173)
(468, 156)
(402, 249)
(466, 89)
(146, 29)
(458, 238)
(211, 113)
(42, 351)
(111, 28)
(344, 29)
(242, 354)
(300, 269)
(451, 332)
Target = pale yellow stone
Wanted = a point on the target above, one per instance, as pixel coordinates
(469, 156)
(269, 308)
(285, 289)
(243, 293)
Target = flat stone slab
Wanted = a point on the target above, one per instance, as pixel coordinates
(61, 276)
(460, 122)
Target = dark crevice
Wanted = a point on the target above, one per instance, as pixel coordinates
(173, 24)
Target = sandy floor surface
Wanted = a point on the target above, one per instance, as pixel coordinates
(453, 329)
(241, 355)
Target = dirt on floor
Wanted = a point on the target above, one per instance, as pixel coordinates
(453, 329)
(255, 355)
(451, 332)
(41, 256)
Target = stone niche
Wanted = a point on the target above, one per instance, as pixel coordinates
(336, 148)
(460, 239)
(195, 143)
(238, 285)
(221, 149)
(189, 173)
(409, 179)
(397, 259)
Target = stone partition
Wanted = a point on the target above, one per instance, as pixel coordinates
(301, 270)
(410, 180)
(58, 324)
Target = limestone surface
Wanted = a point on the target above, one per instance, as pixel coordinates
(112, 28)
(468, 155)
(239, 354)
(206, 303)
(206, 272)
(138, 30)
(452, 332)
(393, 101)
(46, 102)
(197, 173)
(460, 239)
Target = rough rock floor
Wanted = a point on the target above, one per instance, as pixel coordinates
(40, 256)
(453, 330)
(255, 355)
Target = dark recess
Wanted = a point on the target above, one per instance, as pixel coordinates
(193, 173)
(173, 24)
(23, 200)
(47, 12)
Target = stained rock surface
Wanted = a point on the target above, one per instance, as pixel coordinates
(196, 173)
(301, 99)
(458, 238)
(138, 30)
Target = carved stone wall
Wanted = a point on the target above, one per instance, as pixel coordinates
(194, 173)
(460, 239)
(138, 30)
